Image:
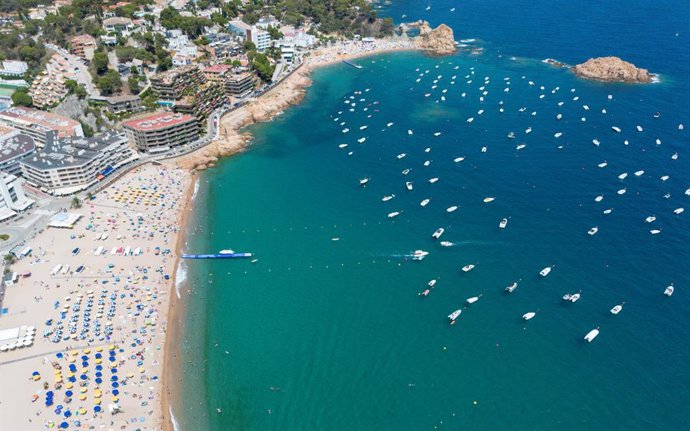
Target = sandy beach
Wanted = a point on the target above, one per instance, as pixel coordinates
(100, 320)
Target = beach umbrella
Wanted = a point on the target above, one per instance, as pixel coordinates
(69, 386)
(98, 361)
(67, 413)
(82, 411)
(113, 370)
(59, 355)
(82, 397)
(116, 392)
(115, 399)
(99, 367)
(98, 374)
(68, 393)
(35, 373)
(97, 409)
(130, 375)
(64, 425)
(115, 384)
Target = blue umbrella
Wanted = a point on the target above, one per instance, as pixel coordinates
(116, 392)
(98, 381)
(113, 370)
(68, 393)
(59, 355)
(115, 384)
(99, 367)
(113, 379)
(72, 379)
(49, 394)
(97, 409)
(67, 413)
(98, 374)
(64, 425)
(35, 373)
(84, 357)
(98, 356)
(72, 367)
(84, 364)
(83, 377)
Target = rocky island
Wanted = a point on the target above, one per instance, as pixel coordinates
(439, 41)
(612, 69)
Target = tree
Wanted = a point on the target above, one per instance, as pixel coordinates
(133, 84)
(275, 33)
(76, 203)
(263, 66)
(21, 98)
(387, 27)
(100, 62)
(109, 83)
(248, 45)
(10, 259)
(75, 88)
(89, 196)
(88, 131)
(4, 237)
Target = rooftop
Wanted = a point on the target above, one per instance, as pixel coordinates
(14, 146)
(157, 121)
(65, 126)
(70, 152)
(217, 68)
(169, 76)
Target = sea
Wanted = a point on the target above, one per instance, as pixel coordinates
(327, 329)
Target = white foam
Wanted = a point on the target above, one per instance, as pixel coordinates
(175, 424)
(196, 189)
(180, 277)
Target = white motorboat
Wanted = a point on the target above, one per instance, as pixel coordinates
(342, 146)
(574, 297)
(454, 315)
(669, 290)
(544, 272)
(361, 140)
(473, 299)
(419, 254)
(484, 149)
(596, 142)
(511, 135)
(674, 156)
(401, 156)
(427, 162)
(393, 214)
(608, 211)
(664, 178)
(593, 230)
(591, 335)
(623, 176)
(363, 181)
(451, 208)
(678, 210)
(489, 199)
(528, 130)
(617, 309)
(408, 185)
(387, 198)
(468, 268)
(558, 134)
(389, 124)
(427, 150)
(520, 146)
(658, 141)
(511, 288)
(528, 316)
(446, 244)
(650, 219)
(602, 164)
(639, 173)
(655, 231)
(406, 171)
(437, 234)
(599, 198)
(622, 191)
(437, 134)
(687, 192)
(503, 223)
(471, 119)
(639, 128)
(566, 297)
(431, 283)
(345, 130)
(433, 180)
(559, 116)
(425, 202)
(363, 127)
(458, 159)
(409, 131)
(226, 251)
(616, 129)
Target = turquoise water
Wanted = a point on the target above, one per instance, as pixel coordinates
(332, 335)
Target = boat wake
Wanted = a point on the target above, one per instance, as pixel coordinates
(180, 277)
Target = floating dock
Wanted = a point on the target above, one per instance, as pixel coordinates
(217, 256)
(349, 63)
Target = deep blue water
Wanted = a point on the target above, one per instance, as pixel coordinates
(337, 329)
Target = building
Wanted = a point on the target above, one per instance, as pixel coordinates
(162, 131)
(41, 125)
(205, 100)
(287, 52)
(123, 104)
(260, 38)
(12, 196)
(14, 68)
(48, 89)
(217, 72)
(14, 147)
(71, 164)
(172, 84)
(84, 46)
(239, 84)
(119, 25)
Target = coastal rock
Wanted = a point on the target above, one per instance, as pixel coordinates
(439, 41)
(612, 69)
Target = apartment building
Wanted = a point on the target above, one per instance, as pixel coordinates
(172, 84)
(14, 147)
(84, 46)
(162, 131)
(41, 125)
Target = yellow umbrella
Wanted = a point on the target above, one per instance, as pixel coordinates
(72, 359)
(82, 390)
(99, 349)
(69, 386)
(74, 352)
(37, 378)
(82, 411)
(86, 351)
(98, 361)
(130, 375)
(111, 347)
(97, 402)
(142, 370)
(82, 397)
(115, 399)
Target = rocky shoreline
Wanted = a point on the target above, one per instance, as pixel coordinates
(612, 69)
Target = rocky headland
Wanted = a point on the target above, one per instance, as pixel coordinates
(612, 69)
(437, 41)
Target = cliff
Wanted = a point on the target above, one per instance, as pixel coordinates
(611, 69)
(439, 41)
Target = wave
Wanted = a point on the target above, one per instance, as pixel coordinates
(173, 420)
(196, 189)
(180, 277)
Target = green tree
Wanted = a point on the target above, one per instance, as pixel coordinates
(75, 88)
(76, 203)
(110, 83)
(21, 98)
(248, 45)
(133, 84)
(275, 33)
(100, 62)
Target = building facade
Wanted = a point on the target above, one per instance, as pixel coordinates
(205, 100)
(162, 131)
(123, 104)
(12, 196)
(71, 164)
(84, 46)
(41, 125)
(239, 84)
(172, 84)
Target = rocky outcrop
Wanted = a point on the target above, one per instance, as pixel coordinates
(612, 69)
(439, 41)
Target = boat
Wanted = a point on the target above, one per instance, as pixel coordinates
(419, 254)
(503, 223)
(574, 297)
(520, 146)
(217, 256)
(425, 292)
(484, 149)
(528, 130)
(432, 283)
(451, 208)
(639, 128)
(674, 156)
(528, 316)
(408, 185)
(454, 315)
(345, 130)
(361, 140)
(401, 156)
(593, 230)
(669, 290)
(544, 272)
(387, 198)
(349, 63)
(596, 142)
(678, 210)
(655, 231)
(511, 135)
(406, 171)
(363, 182)
(458, 159)
(425, 202)
(623, 176)
(468, 268)
(438, 233)
(602, 164)
(427, 162)
(658, 141)
(446, 244)
(591, 335)
(558, 134)
(664, 178)
(559, 116)
(433, 180)
(437, 134)
(616, 129)
(639, 173)
(617, 309)
(342, 146)
(621, 191)
(473, 299)
(511, 288)
(393, 214)
(489, 199)
(566, 297)
(226, 251)
(650, 219)
(409, 131)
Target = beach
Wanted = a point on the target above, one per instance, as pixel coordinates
(100, 320)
